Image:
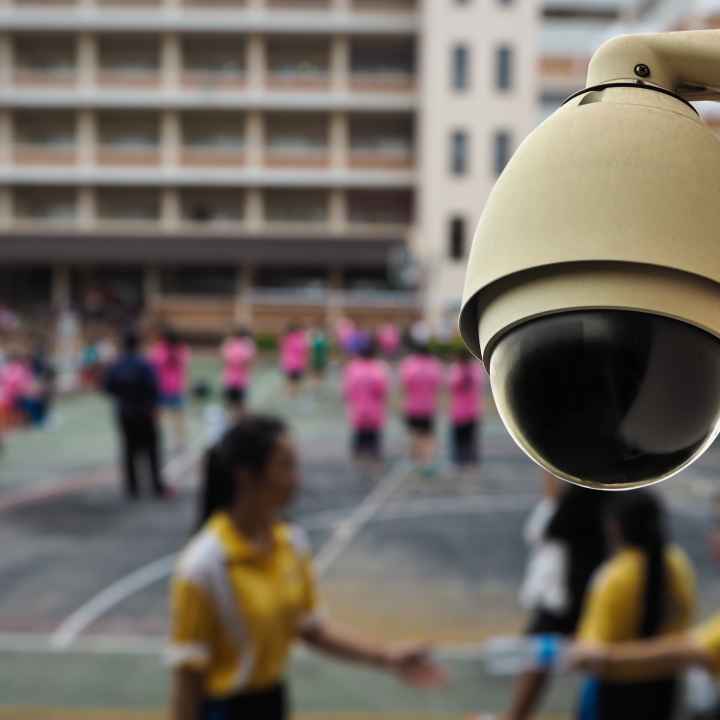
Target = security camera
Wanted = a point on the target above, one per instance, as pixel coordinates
(593, 286)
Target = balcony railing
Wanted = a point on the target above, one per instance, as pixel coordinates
(211, 79)
(129, 77)
(118, 154)
(298, 79)
(382, 155)
(367, 80)
(213, 156)
(298, 4)
(25, 153)
(384, 6)
(289, 154)
(59, 76)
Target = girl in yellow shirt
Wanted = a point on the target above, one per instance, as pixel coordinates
(244, 589)
(647, 590)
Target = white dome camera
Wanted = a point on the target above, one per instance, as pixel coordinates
(593, 287)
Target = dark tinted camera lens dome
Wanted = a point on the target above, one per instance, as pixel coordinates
(609, 399)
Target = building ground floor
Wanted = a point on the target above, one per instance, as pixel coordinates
(205, 286)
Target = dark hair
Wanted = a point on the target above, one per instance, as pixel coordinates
(640, 517)
(170, 337)
(242, 332)
(130, 340)
(368, 349)
(245, 446)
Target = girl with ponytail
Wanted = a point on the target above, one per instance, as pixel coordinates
(244, 590)
(647, 590)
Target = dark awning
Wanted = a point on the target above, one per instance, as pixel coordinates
(212, 249)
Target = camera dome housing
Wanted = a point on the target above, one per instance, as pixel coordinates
(605, 219)
(609, 398)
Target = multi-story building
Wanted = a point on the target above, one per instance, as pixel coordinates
(254, 160)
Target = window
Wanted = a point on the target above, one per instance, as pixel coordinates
(460, 67)
(458, 153)
(503, 142)
(504, 68)
(456, 245)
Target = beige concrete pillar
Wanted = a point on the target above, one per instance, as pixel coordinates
(254, 210)
(255, 138)
(61, 292)
(256, 62)
(170, 211)
(243, 313)
(87, 60)
(338, 211)
(340, 63)
(6, 137)
(87, 137)
(339, 140)
(170, 138)
(6, 208)
(6, 60)
(87, 208)
(171, 62)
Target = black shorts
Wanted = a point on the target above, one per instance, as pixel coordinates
(235, 395)
(421, 425)
(367, 443)
(295, 376)
(270, 704)
(544, 622)
(464, 445)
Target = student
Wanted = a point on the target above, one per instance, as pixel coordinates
(171, 359)
(421, 377)
(466, 379)
(319, 353)
(647, 590)
(365, 386)
(294, 356)
(566, 534)
(132, 383)
(244, 590)
(238, 354)
(388, 337)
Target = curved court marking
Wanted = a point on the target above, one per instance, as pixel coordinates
(346, 531)
(104, 601)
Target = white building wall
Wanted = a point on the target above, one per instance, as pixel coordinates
(481, 110)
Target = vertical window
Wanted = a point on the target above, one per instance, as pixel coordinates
(456, 244)
(460, 67)
(459, 152)
(504, 68)
(503, 144)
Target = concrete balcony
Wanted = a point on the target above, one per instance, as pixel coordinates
(147, 16)
(298, 80)
(130, 78)
(387, 6)
(211, 81)
(213, 157)
(298, 5)
(378, 157)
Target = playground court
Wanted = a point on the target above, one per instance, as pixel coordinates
(401, 556)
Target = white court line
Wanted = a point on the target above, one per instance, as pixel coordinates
(347, 529)
(83, 617)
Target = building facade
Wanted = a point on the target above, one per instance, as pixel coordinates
(221, 161)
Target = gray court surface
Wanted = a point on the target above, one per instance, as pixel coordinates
(83, 572)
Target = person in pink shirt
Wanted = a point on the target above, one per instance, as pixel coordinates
(388, 337)
(421, 377)
(294, 356)
(366, 385)
(238, 354)
(17, 386)
(467, 407)
(170, 358)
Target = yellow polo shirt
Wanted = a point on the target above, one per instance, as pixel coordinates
(235, 611)
(707, 636)
(614, 607)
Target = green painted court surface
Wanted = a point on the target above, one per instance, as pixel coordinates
(83, 573)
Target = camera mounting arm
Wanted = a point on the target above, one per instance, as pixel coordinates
(685, 63)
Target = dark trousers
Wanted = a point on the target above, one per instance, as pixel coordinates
(141, 443)
(268, 704)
